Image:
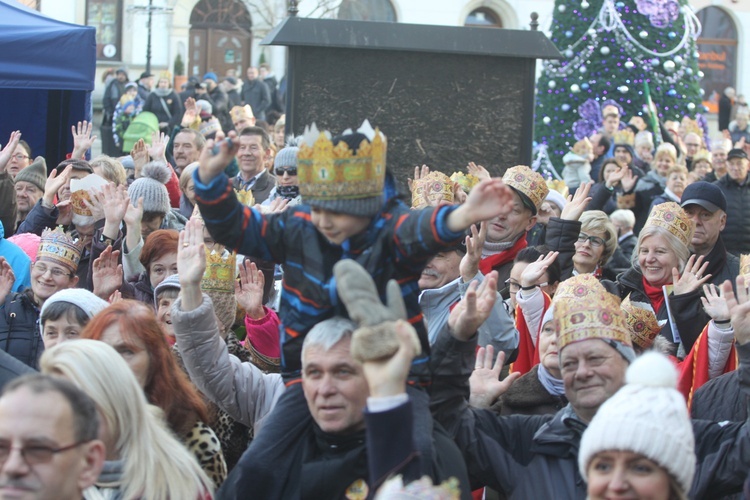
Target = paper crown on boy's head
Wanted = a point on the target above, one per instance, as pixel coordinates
(432, 187)
(641, 321)
(345, 174)
(624, 137)
(241, 113)
(673, 218)
(583, 143)
(745, 266)
(466, 181)
(587, 311)
(528, 184)
(220, 270)
(60, 248)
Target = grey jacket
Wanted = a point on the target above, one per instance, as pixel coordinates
(536, 456)
(243, 391)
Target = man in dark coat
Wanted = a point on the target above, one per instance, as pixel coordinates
(219, 100)
(536, 456)
(145, 85)
(256, 94)
(112, 93)
(736, 189)
(725, 108)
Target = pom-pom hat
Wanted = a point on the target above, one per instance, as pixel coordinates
(647, 416)
(151, 187)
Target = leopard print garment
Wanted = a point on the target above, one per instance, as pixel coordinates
(203, 443)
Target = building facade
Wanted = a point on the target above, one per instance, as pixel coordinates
(222, 35)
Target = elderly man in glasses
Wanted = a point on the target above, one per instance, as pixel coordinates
(48, 440)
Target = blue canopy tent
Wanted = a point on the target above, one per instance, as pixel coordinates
(47, 72)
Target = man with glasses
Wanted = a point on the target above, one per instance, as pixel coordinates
(255, 146)
(54, 270)
(48, 439)
(20, 159)
(693, 144)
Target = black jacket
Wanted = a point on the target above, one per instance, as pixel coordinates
(19, 328)
(537, 456)
(725, 112)
(621, 260)
(257, 95)
(736, 234)
(168, 109)
(527, 396)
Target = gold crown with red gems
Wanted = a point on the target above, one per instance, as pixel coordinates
(526, 181)
(641, 321)
(435, 185)
(673, 218)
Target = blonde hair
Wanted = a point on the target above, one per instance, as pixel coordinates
(681, 251)
(155, 464)
(112, 169)
(186, 174)
(596, 220)
(678, 169)
(666, 149)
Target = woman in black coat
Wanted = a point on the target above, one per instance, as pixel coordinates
(165, 104)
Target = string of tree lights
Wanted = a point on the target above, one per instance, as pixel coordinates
(613, 51)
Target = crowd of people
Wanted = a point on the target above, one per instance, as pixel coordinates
(223, 314)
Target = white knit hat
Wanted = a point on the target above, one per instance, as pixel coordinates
(85, 300)
(647, 416)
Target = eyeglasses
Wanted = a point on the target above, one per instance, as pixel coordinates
(56, 272)
(289, 170)
(595, 241)
(34, 455)
(19, 157)
(514, 286)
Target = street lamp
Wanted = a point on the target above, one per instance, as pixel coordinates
(149, 9)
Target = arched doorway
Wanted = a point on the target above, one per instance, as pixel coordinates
(220, 37)
(483, 17)
(718, 54)
(367, 10)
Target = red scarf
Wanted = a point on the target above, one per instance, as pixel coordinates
(655, 295)
(491, 262)
(528, 354)
(694, 368)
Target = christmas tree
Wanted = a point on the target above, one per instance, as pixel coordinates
(616, 52)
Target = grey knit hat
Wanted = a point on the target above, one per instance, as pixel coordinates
(287, 157)
(172, 281)
(36, 173)
(151, 188)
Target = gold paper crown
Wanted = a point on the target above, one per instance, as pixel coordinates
(466, 181)
(583, 143)
(673, 218)
(434, 187)
(526, 181)
(599, 317)
(579, 287)
(58, 247)
(245, 197)
(624, 136)
(220, 271)
(328, 172)
(703, 155)
(745, 265)
(642, 323)
(241, 113)
(559, 186)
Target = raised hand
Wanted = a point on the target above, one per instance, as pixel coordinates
(628, 181)
(577, 202)
(132, 219)
(487, 200)
(9, 149)
(191, 254)
(107, 273)
(115, 297)
(114, 201)
(95, 204)
(7, 279)
(616, 176)
(275, 206)
(486, 386)
(64, 213)
(191, 112)
(387, 376)
(139, 153)
(419, 173)
(692, 277)
(534, 271)
(249, 290)
(54, 183)
(739, 309)
(474, 309)
(82, 139)
(714, 303)
(478, 171)
(158, 148)
(212, 163)
(469, 265)
(459, 195)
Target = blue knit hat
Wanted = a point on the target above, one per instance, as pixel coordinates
(211, 76)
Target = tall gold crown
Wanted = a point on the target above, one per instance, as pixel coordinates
(58, 247)
(624, 136)
(559, 186)
(328, 172)
(703, 155)
(434, 187)
(598, 317)
(529, 183)
(745, 265)
(673, 218)
(220, 271)
(641, 321)
(466, 181)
